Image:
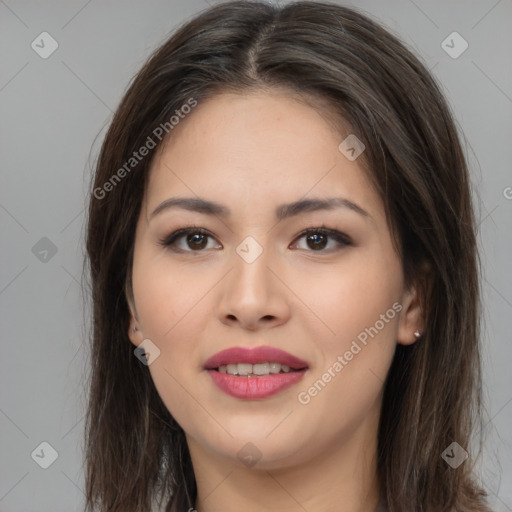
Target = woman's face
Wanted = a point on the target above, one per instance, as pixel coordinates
(266, 275)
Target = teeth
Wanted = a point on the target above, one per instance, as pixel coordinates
(275, 367)
(246, 369)
(261, 369)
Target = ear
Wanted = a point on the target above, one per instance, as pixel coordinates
(134, 332)
(412, 318)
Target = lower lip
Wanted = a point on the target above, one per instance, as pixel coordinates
(251, 388)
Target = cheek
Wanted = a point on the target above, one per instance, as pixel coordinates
(172, 308)
(351, 297)
(168, 297)
(358, 304)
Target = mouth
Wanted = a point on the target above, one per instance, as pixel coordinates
(255, 373)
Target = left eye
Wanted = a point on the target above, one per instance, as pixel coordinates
(196, 239)
(317, 238)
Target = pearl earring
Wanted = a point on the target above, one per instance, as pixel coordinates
(417, 334)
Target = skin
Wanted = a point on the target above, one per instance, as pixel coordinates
(252, 153)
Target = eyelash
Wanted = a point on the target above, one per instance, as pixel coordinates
(342, 239)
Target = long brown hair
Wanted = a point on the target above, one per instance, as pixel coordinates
(136, 454)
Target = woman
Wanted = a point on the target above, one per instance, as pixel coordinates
(284, 276)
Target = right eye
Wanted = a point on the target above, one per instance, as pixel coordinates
(191, 239)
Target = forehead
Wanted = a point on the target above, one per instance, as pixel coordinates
(253, 149)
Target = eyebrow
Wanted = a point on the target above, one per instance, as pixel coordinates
(284, 211)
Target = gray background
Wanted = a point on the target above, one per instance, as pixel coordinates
(53, 116)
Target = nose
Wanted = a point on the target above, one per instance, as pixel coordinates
(253, 296)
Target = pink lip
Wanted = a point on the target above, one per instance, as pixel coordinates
(251, 388)
(254, 356)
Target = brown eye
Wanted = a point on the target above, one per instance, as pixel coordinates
(317, 239)
(195, 240)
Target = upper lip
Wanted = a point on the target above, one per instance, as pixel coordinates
(254, 356)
